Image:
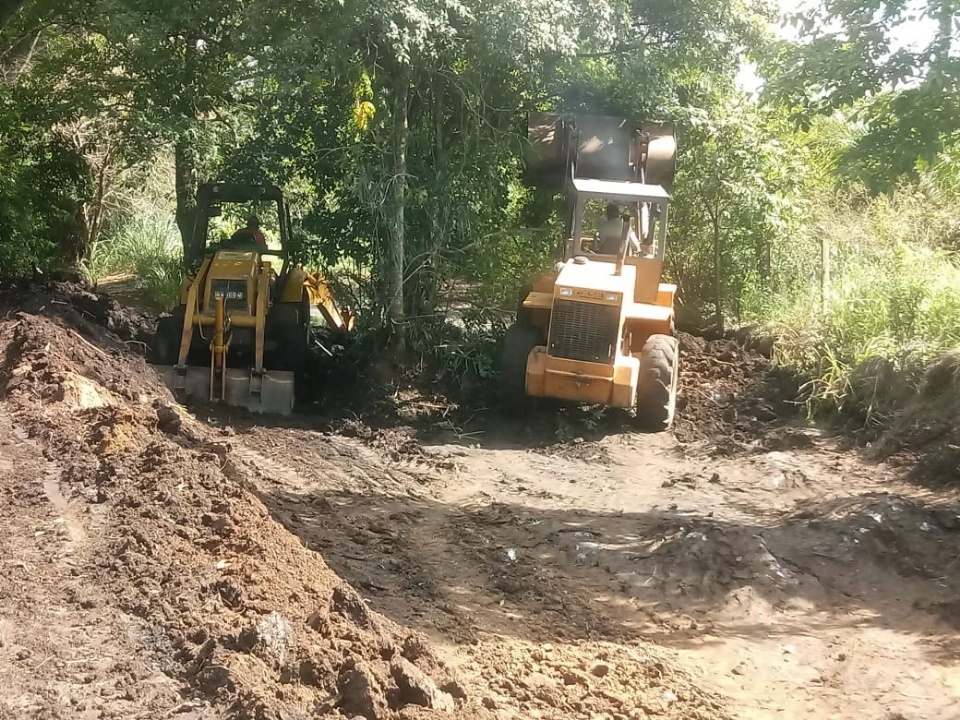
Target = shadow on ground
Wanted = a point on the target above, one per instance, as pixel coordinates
(874, 560)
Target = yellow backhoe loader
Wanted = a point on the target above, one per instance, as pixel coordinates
(600, 327)
(242, 331)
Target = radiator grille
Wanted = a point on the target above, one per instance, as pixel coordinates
(584, 331)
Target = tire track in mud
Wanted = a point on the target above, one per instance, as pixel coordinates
(504, 621)
(795, 581)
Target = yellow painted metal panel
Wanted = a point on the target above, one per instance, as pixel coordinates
(536, 371)
(539, 300)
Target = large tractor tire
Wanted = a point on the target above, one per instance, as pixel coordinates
(288, 329)
(657, 388)
(166, 341)
(519, 341)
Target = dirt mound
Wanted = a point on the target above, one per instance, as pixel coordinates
(590, 680)
(894, 534)
(34, 353)
(729, 395)
(924, 433)
(247, 616)
(98, 316)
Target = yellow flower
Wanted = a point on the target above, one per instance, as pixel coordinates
(363, 113)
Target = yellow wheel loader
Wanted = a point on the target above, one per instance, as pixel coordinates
(242, 331)
(600, 328)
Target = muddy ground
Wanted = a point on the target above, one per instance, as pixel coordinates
(416, 558)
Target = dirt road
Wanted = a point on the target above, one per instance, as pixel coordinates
(159, 562)
(795, 583)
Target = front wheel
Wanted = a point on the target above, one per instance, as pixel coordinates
(166, 341)
(285, 326)
(518, 343)
(657, 388)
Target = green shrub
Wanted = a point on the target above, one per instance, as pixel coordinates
(892, 304)
(160, 282)
(147, 246)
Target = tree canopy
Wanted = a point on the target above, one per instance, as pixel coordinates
(893, 68)
(397, 129)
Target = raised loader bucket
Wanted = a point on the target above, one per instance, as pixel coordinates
(275, 393)
(608, 148)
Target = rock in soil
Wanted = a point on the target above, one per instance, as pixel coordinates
(416, 688)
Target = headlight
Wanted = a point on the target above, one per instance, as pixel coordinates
(566, 292)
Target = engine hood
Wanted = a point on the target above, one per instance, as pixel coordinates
(233, 264)
(597, 276)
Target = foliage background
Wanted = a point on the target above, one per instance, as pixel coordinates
(396, 130)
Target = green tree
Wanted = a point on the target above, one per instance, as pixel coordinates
(8, 9)
(438, 167)
(397, 129)
(905, 96)
(736, 216)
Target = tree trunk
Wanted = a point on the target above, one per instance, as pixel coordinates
(17, 59)
(717, 273)
(79, 236)
(428, 271)
(94, 212)
(764, 261)
(187, 154)
(439, 118)
(824, 272)
(396, 254)
(187, 180)
(945, 14)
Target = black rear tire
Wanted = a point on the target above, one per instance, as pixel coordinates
(657, 388)
(285, 328)
(519, 341)
(166, 340)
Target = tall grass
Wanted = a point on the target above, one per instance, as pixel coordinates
(892, 305)
(147, 246)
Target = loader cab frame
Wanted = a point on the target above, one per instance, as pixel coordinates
(211, 197)
(648, 208)
(241, 331)
(599, 328)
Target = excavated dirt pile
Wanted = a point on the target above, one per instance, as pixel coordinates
(98, 316)
(923, 433)
(152, 565)
(244, 614)
(731, 396)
